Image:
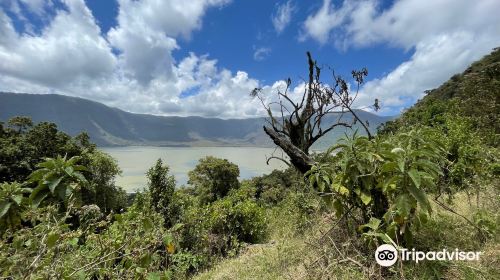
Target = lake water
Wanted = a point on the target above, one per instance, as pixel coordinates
(136, 160)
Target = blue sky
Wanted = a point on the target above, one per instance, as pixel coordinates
(203, 57)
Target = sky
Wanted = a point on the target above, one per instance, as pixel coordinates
(204, 57)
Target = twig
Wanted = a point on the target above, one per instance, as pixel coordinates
(98, 261)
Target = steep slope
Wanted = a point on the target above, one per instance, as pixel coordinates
(473, 94)
(110, 126)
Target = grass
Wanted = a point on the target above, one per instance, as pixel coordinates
(315, 254)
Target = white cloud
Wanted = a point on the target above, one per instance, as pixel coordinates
(261, 53)
(319, 25)
(68, 49)
(147, 30)
(281, 19)
(433, 62)
(71, 57)
(36, 6)
(131, 67)
(445, 35)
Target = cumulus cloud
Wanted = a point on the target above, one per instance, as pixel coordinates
(319, 25)
(130, 67)
(444, 35)
(283, 15)
(68, 49)
(146, 33)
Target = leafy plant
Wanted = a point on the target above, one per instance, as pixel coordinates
(161, 187)
(386, 179)
(56, 177)
(101, 189)
(213, 178)
(12, 204)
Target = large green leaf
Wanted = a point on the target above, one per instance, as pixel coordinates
(54, 183)
(79, 168)
(73, 160)
(401, 163)
(48, 163)
(62, 192)
(36, 175)
(69, 170)
(429, 166)
(80, 177)
(415, 177)
(38, 195)
(18, 199)
(420, 196)
(4, 207)
(403, 204)
(373, 224)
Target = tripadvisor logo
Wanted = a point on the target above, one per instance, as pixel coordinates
(387, 255)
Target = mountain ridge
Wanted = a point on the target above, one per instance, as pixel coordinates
(109, 126)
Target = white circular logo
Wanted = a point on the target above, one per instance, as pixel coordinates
(386, 255)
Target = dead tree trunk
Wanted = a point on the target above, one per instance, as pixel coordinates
(298, 158)
(297, 121)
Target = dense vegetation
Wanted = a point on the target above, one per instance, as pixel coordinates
(428, 180)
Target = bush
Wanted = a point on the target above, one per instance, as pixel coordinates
(242, 219)
(220, 228)
(161, 188)
(386, 180)
(272, 188)
(12, 204)
(213, 178)
(102, 191)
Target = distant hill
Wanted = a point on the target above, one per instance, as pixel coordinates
(109, 126)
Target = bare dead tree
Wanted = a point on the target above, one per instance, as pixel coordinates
(295, 126)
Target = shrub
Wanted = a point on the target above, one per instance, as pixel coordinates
(385, 179)
(219, 228)
(12, 204)
(274, 187)
(102, 191)
(213, 178)
(57, 178)
(242, 219)
(161, 188)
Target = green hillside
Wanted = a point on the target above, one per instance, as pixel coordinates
(473, 95)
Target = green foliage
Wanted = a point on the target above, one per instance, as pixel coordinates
(213, 178)
(12, 204)
(386, 179)
(274, 187)
(20, 123)
(220, 228)
(102, 191)
(161, 187)
(57, 178)
(299, 209)
(23, 147)
(237, 217)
